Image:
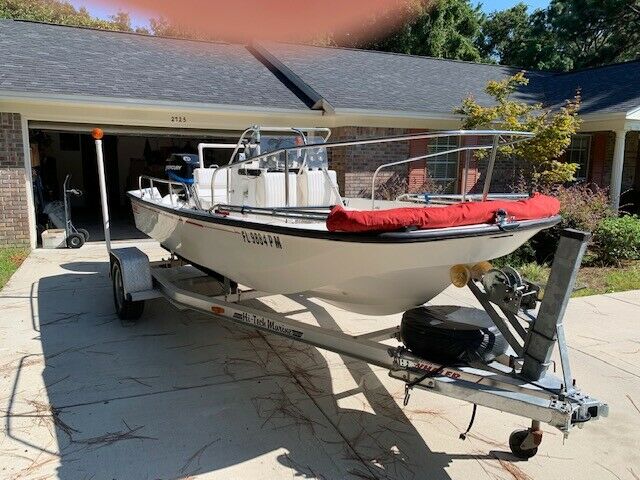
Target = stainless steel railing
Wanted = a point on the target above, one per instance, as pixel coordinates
(500, 138)
(243, 142)
(172, 186)
(496, 135)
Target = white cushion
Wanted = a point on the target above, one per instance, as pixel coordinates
(268, 190)
(314, 189)
(203, 176)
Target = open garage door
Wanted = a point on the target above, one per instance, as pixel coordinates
(58, 150)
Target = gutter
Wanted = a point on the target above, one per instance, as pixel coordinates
(136, 103)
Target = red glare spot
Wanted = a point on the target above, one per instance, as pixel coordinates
(276, 20)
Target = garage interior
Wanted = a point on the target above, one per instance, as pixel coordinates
(59, 151)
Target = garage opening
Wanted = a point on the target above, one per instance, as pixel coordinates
(56, 153)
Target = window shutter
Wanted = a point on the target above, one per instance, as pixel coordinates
(417, 171)
(473, 175)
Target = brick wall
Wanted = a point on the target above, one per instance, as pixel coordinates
(14, 220)
(355, 165)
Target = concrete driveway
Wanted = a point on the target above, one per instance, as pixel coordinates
(182, 395)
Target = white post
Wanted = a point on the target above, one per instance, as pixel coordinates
(97, 135)
(617, 169)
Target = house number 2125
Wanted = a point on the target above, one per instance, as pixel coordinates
(178, 119)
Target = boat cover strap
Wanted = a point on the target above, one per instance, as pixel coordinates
(471, 213)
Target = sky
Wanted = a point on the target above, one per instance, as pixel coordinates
(98, 9)
(489, 6)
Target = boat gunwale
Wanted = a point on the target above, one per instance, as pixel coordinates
(412, 236)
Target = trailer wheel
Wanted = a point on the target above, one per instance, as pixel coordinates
(84, 233)
(126, 309)
(516, 442)
(429, 333)
(75, 240)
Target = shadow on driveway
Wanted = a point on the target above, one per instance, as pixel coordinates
(180, 394)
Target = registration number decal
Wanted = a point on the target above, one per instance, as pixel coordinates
(262, 239)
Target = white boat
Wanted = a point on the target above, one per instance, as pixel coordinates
(243, 221)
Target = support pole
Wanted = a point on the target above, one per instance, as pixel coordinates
(97, 135)
(617, 169)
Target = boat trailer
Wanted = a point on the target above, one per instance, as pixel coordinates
(518, 382)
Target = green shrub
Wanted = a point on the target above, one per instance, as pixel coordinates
(522, 256)
(582, 207)
(617, 240)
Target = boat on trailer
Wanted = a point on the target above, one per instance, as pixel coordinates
(245, 222)
(498, 356)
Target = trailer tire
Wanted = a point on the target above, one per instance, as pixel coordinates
(126, 309)
(75, 240)
(428, 333)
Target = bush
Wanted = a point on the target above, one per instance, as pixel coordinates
(582, 207)
(522, 256)
(617, 240)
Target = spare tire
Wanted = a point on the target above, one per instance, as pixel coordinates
(429, 333)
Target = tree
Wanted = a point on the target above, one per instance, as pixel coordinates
(444, 28)
(515, 37)
(595, 32)
(538, 157)
(61, 12)
(569, 34)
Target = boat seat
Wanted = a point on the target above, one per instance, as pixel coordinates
(202, 179)
(268, 190)
(314, 189)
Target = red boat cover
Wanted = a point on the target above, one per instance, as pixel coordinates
(471, 213)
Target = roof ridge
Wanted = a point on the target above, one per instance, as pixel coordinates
(123, 32)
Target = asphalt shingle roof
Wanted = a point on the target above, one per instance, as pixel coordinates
(367, 80)
(609, 89)
(56, 59)
(370, 80)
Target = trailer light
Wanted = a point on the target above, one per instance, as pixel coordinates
(217, 310)
(97, 133)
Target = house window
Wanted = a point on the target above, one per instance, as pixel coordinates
(443, 169)
(578, 152)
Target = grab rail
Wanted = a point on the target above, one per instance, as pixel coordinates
(495, 134)
(170, 183)
(257, 129)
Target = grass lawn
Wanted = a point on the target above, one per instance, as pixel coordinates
(592, 280)
(10, 260)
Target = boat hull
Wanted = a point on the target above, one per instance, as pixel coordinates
(368, 277)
